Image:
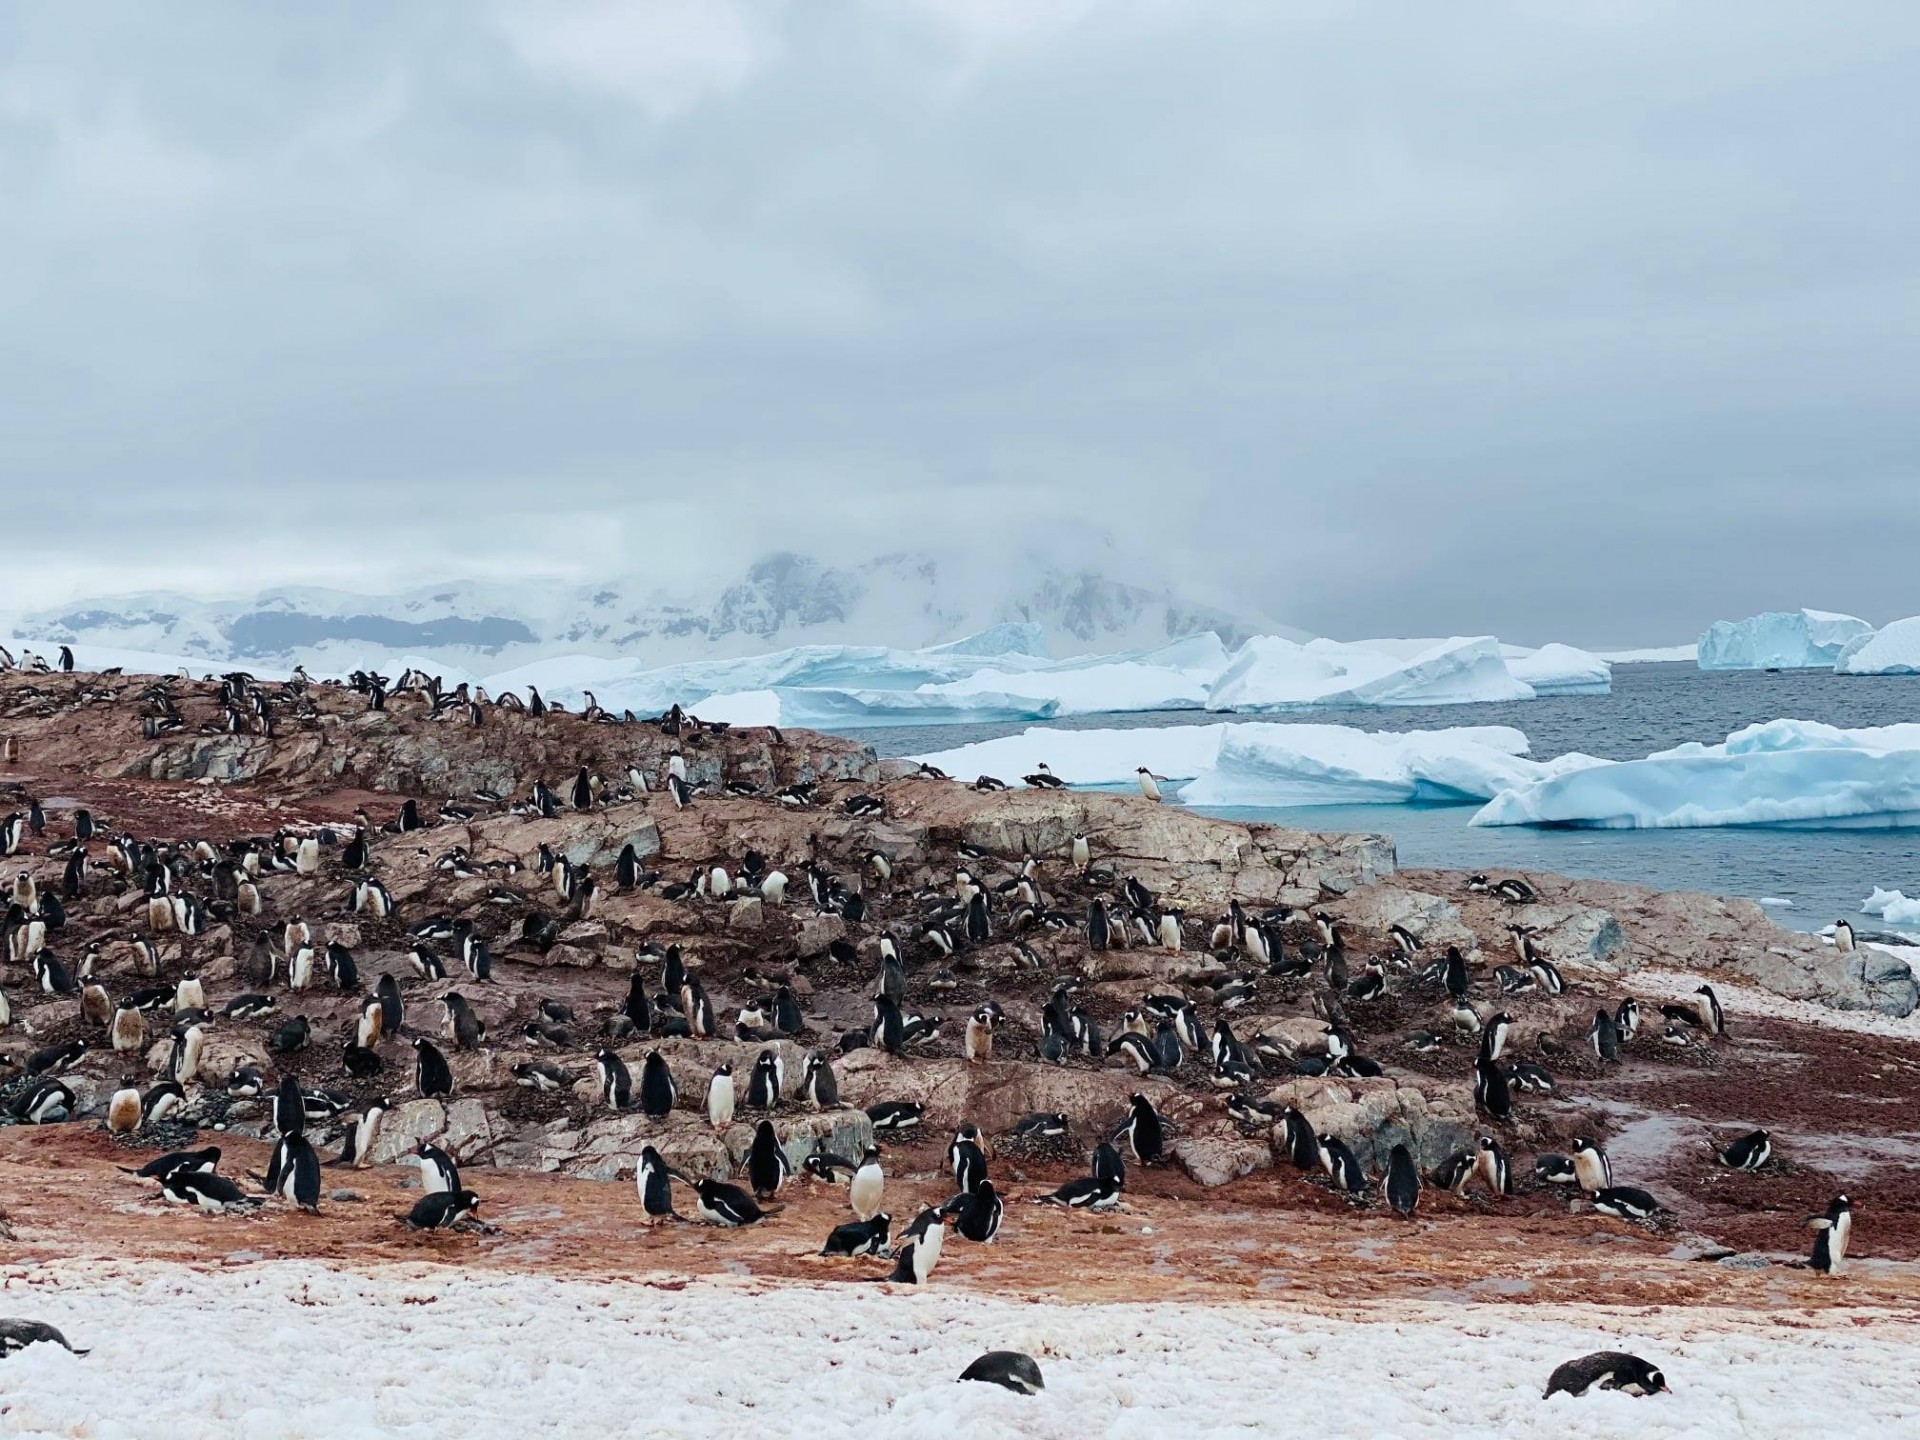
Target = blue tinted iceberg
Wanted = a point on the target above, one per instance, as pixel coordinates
(1780, 640)
(1895, 650)
(1268, 673)
(1560, 670)
(1784, 773)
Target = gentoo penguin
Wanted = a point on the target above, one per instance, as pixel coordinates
(1401, 1185)
(1553, 1169)
(860, 1237)
(1608, 1369)
(719, 1203)
(1144, 1130)
(464, 1028)
(393, 1010)
(720, 1097)
(977, 1213)
(820, 1085)
(17, 1335)
(1099, 931)
(1298, 1140)
(371, 1027)
(1493, 1039)
(163, 1100)
(616, 1083)
(290, 1037)
(1491, 1092)
(1626, 1020)
(657, 1090)
(431, 1073)
(294, 1172)
(50, 1102)
(1842, 936)
(1340, 1164)
(95, 1008)
(54, 977)
(123, 1110)
(763, 1085)
(289, 1106)
(161, 1166)
(979, 1037)
(967, 1159)
(1087, 1192)
(1604, 1036)
(1009, 1369)
(1749, 1152)
(1081, 852)
(893, 1116)
(1149, 783)
(1624, 1202)
(868, 1185)
(215, 1194)
(919, 1251)
(363, 1134)
(443, 1210)
(1834, 1229)
(1490, 1164)
(1707, 1005)
(767, 1165)
(438, 1173)
(1453, 1172)
(654, 1181)
(1592, 1171)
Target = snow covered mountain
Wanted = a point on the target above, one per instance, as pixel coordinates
(907, 600)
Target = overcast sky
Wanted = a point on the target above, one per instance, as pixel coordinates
(1590, 321)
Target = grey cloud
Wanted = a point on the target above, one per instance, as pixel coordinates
(1591, 323)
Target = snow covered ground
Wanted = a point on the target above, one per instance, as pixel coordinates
(279, 1350)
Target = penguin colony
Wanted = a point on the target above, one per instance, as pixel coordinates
(919, 936)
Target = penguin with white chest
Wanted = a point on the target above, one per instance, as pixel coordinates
(868, 1186)
(1832, 1232)
(438, 1172)
(654, 1181)
(767, 1165)
(657, 1090)
(720, 1098)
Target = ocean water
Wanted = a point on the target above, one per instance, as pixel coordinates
(1824, 874)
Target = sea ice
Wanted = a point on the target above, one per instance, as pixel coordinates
(1780, 640)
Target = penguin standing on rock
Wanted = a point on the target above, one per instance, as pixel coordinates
(1341, 1165)
(767, 1165)
(431, 1073)
(720, 1097)
(820, 1085)
(1144, 1130)
(763, 1085)
(616, 1081)
(657, 1090)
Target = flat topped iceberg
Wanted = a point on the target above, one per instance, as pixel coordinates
(1560, 670)
(1269, 673)
(1895, 650)
(1784, 773)
(1780, 640)
(1270, 764)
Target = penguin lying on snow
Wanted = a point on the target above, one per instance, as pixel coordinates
(1008, 1369)
(17, 1335)
(1608, 1369)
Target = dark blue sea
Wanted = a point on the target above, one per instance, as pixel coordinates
(1824, 874)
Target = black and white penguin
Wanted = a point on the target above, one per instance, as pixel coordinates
(1712, 1018)
(1490, 1164)
(767, 1165)
(1493, 1039)
(1626, 1019)
(48, 1102)
(893, 1116)
(438, 1173)
(657, 1090)
(1833, 1230)
(720, 1097)
(654, 1182)
(164, 1099)
(158, 1168)
(1609, 1370)
(868, 1185)
(289, 1106)
(977, 1213)
(1340, 1164)
(763, 1085)
(1145, 1132)
(214, 1194)
(1592, 1171)
(1554, 1169)
(819, 1085)
(1453, 1172)
(616, 1082)
(294, 1172)
(919, 1250)
(1749, 1152)
(363, 1134)
(1491, 1093)
(1087, 1192)
(1099, 930)
(1625, 1202)
(860, 1237)
(1843, 940)
(719, 1203)
(443, 1210)
(464, 1028)
(431, 1073)
(1401, 1184)
(966, 1159)
(123, 1109)
(393, 1010)
(1009, 1369)
(1457, 978)
(1604, 1036)
(1298, 1140)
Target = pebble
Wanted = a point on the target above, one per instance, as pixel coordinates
(345, 1195)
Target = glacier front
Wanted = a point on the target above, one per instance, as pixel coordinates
(1780, 640)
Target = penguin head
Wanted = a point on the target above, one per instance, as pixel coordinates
(723, 1068)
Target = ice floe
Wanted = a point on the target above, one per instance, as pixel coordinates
(1891, 906)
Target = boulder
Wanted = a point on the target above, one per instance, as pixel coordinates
(1218, 1152)
(1372, 1116)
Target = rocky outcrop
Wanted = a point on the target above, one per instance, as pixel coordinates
(1433, 1119)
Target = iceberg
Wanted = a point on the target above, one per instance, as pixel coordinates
(1268, 764)
(1892, 907)
(1895, 650)
(1268, 673)
(1796, 773)
(1780, 640)
(1560, 670)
